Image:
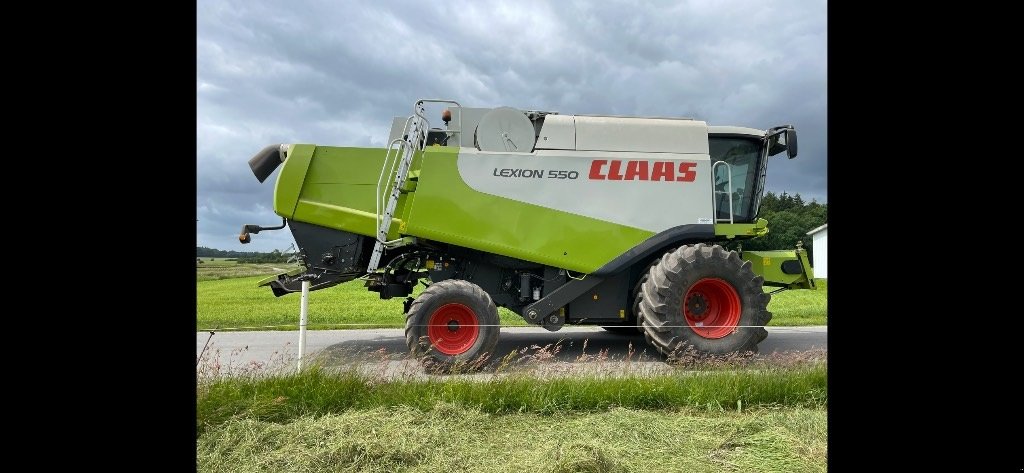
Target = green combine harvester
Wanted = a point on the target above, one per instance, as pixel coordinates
(563, 219)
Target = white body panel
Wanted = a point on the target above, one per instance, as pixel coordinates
(734, 130)
(558, 132)
(645, 135)
(652, 135)
(819, 244)
(588, 183)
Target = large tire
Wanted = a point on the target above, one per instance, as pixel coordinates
(452, 323)
(704, 297)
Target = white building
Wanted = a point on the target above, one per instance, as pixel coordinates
(819, 249)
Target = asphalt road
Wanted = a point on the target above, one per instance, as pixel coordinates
(385, 351)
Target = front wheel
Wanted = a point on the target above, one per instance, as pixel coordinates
(705, 297)
(453, 322)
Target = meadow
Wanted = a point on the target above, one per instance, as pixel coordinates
(227, 297)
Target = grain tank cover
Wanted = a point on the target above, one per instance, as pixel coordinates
(638, 134)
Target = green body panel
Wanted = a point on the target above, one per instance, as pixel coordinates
(445, 208)
(335, 187)
(289, 182)
(743, 230)
(768, 264)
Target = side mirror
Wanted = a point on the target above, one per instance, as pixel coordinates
(776, 144)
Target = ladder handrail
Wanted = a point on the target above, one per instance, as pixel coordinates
(388, 167)
(386, 170)
(418, 107)
(413, 139)
(407, 148)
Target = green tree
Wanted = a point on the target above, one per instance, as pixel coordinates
(789, 219)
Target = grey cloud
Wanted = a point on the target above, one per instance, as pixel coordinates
(335, 73)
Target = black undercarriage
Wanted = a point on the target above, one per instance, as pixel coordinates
(332, 257)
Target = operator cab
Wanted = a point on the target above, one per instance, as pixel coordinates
(739, 158)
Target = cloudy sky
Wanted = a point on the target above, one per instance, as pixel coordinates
(335, 73)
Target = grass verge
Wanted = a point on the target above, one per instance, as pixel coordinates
(319, 392)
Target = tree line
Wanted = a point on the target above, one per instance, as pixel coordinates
(204, 252)
(243, 256)
(789, 219)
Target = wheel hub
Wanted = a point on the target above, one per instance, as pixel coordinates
(453, 326)
(697, 305)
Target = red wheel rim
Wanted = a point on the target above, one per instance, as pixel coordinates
(712, 308)
(453, 329)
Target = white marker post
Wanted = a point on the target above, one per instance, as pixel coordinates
(303, 319)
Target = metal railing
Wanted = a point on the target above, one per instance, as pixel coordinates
(397, 161)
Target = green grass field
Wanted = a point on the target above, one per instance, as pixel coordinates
(213, 269)
(768, 419)
(800, 307)
(227, 297)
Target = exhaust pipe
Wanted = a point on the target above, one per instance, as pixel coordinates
(267, 160)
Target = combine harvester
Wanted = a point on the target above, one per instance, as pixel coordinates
(563, 219)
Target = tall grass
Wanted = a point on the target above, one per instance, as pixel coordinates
(319, 391)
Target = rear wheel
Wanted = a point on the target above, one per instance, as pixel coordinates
(705, 297)
(453, 322)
